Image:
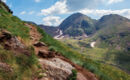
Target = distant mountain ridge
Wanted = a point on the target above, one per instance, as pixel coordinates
(79, 24)
(51, 30)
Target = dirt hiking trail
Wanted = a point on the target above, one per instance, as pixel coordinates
(43, 53)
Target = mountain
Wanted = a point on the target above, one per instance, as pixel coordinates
(110, 37)
(51, 30)
(77, 24)
(29, 53)
(109, 44)
(114, 30)
(111, 20)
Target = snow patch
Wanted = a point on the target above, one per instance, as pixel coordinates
(60, 36)
(92, 44)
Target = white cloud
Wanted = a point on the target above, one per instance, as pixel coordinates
(23, 12)
(99, 13)
(59, 7)
(4, 1)
(37, 1)
(31, 12)
(73, 6)
(114, 1)
(52, 20)
(70, 6)
(81, 4)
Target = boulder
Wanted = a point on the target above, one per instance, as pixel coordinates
(5, 67)
(80, 76)
(5, 35)
(46, 54)
(39, 44)
(56, 69)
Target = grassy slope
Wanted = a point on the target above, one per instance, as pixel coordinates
(101, 70)
(116, 39)
(24, 67)
(102, 54)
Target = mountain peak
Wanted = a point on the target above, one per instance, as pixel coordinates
(111, 20)
(78, 14)
(78, 23)
(113, 17)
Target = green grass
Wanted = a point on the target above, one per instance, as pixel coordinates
(23, 66)
(101, 70)
(13, 24)
(102, 53)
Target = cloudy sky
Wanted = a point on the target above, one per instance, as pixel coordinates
(53, 12)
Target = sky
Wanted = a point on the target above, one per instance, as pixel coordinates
(53, 12)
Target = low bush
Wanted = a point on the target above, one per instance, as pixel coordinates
(73, 76)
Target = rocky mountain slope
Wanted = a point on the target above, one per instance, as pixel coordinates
(24, 57)
(28, 53)
(57, 66)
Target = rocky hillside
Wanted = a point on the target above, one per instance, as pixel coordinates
(28, 53)
(23, 56)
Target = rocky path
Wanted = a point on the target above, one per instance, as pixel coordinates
(57, 67)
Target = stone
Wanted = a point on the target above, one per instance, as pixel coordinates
(39, 44)
(56, 68)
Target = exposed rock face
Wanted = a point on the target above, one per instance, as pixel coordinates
(39, 44)
(56, 68)
(5, 35)
(46, 54)
(12, 42)
(5, 67)
(80, 76)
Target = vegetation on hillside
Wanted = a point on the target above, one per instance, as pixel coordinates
(101, 70)
(20, 66)
(112, 42)
(25, 67)
(78, 24)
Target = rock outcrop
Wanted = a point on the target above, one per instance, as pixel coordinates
(11, 42)
(56, 69)
(5, 67)
(39, 44)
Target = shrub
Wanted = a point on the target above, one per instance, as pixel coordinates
(73, 76)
